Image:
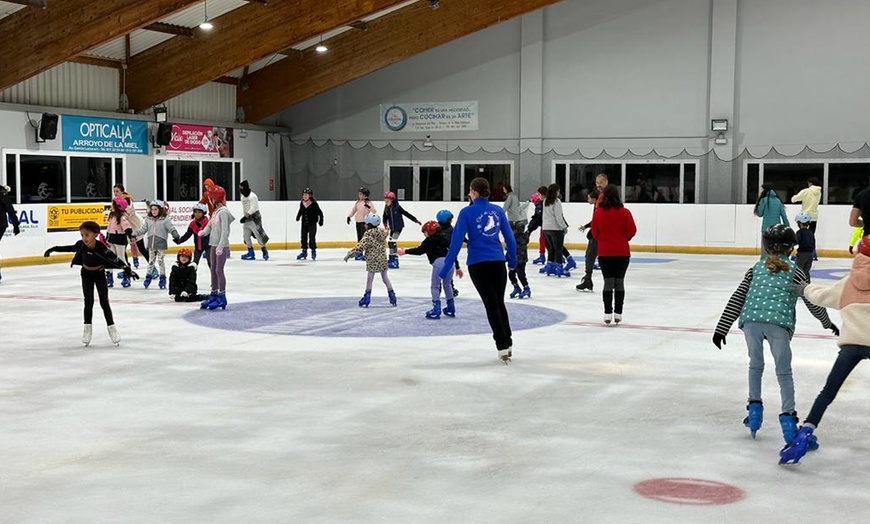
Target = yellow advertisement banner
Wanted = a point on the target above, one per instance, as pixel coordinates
(68, 217)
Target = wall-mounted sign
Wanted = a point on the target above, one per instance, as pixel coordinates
(201, 140)
(430, 116)
(68, 217)
(104, 135)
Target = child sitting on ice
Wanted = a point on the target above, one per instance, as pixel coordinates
(182, 279)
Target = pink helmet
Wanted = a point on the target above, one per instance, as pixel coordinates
(121, 202)
(390, 194)
(535, 198)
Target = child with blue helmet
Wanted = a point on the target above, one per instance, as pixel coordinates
(806, 240)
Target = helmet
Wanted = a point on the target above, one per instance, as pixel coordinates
(201, 207)
(535, 198)
(218, 194)
(121, 202)
(157, 202)
(365, 191)
(372, 219)
(443, 216)
(184, 252)
(864, 246)
(430, 228)
(390, 194)
(209, 183)
(803, 218)
(308, 191)
(779, 238)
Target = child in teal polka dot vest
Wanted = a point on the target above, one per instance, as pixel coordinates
(765, 304)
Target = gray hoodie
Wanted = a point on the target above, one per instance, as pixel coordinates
(159, 230)
(218, 228)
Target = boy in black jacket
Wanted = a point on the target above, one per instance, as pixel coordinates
(182, 279)
(311, 216)
(435, 247)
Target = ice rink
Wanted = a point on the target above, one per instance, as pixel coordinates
(294, 405)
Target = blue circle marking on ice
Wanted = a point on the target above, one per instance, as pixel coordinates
(637, 260)
(342, 317)
(830, 274)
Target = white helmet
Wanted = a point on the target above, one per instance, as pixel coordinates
(803, 218)
(372, 219)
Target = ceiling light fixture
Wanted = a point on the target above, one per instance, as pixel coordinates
(205, 23)
(434, 4)
(320, 47)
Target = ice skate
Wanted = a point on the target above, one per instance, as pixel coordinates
(505, 355)
(87, 334)
(265, 253)
(393, 262)
(249, 255)
(539, 260)
(756, 416)
(450, 310)
(570, 263)
(125, 282)
(608, 318)
(545, 268)
(313, 254)
(303, 255)
(392, 295)
(792, 453)
(788, 424)
(209, 299)
(135, 262)
(617, 318)
(366, 299)
(360, 256)
(585, 284)
(110, 279)
(162, 282)
(526, 292)
(147, 281)
(516, 292)
(435, 312)
(561, 271)
(113, 334)
(219, 302)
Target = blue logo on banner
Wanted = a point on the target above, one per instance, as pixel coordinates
(104, 135)
(395, 118)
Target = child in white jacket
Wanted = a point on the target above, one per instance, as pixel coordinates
(159, 228)
(851, 296)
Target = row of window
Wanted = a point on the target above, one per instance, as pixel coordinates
(840, 181)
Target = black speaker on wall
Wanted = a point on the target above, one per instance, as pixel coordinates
(164, 134)
(47, 127)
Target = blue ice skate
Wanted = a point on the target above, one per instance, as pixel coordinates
(393, 262)
(516, 292)
(570, 263)
(125, 282)
(539, 260)
(249, 255)
(561, 271)
(135, 262)
(303, 255)
(435, 312)
(797, 448)
(526, 293)
(756, 416)
(154, 273)
(162, 282)
(313, 254)
(265, 253)
(392, 295)
(147, 281)
(788, 423)
(366, 299)
(219, 302)
(450, 310)
(211, 298)
(110, 279)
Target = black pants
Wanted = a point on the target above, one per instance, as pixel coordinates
(90, 280)
(555, 245)
(804, 260)
(591, 254)
(849, 356)
(490, 279)
(142, 249)
(360, 230)
(199, 253)
(519, 273)
(613, 270)
(309, 236)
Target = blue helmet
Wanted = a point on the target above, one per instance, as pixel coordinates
(157, 203)
(201, 207)
(372, 220)
(443, 216)
(803, 218)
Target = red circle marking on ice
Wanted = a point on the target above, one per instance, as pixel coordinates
(696, 492)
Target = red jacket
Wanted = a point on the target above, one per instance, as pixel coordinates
(613, 227)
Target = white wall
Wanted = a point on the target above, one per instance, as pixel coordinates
(705, 228)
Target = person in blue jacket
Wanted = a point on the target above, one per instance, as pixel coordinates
(771, 210)
(394, 224)
(481, 222)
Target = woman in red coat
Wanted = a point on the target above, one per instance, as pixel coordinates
(613, 226)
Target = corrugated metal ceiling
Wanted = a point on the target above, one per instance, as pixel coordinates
(7, 8)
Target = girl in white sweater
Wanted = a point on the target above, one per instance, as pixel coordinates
(851, 296)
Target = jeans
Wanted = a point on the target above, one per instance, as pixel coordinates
(490, 279)
(437, 283)
(518, 275)
(850, 355)
(779, 339)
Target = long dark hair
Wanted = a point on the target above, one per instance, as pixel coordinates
(610, 197)
(552, 194)
(766, 188)
(481, 185)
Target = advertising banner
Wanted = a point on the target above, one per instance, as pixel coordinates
(104, 135)
(31, 218)
(68, 217)
(430, 116)
(201, 140)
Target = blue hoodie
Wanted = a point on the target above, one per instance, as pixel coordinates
(481, 222)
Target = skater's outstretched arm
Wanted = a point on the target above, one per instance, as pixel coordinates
(800, 280)
(72, 248)
(828, 297)
(734, 306)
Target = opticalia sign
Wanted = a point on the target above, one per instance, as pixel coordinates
(104, 135)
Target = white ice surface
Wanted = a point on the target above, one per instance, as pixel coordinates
(187, 424)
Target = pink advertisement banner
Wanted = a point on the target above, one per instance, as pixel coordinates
(201, 140)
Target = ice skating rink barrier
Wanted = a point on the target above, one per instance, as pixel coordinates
(674, 228)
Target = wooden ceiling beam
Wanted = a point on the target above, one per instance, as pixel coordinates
(240, 37)
(34, 40)
(353, 54)
(95, 61)
(170, 29)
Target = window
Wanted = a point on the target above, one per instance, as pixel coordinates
(561, 177)
(432, 183)
(456, 194)
(43, 179)
(580, 178)
(221, 174)
(690, 179)
(496, 174)
(845, 181)
(652, 183)
(90, 179)
(11, 173)
(789, 179)
(182, 180)
(753, 183)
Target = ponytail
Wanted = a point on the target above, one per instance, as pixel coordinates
(774, 264)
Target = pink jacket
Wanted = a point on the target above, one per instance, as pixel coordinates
(360, 210)
(115, 227)
(851, 295)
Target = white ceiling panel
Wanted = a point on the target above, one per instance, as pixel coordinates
(114, 49)
(7, 8)
(141, 40)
